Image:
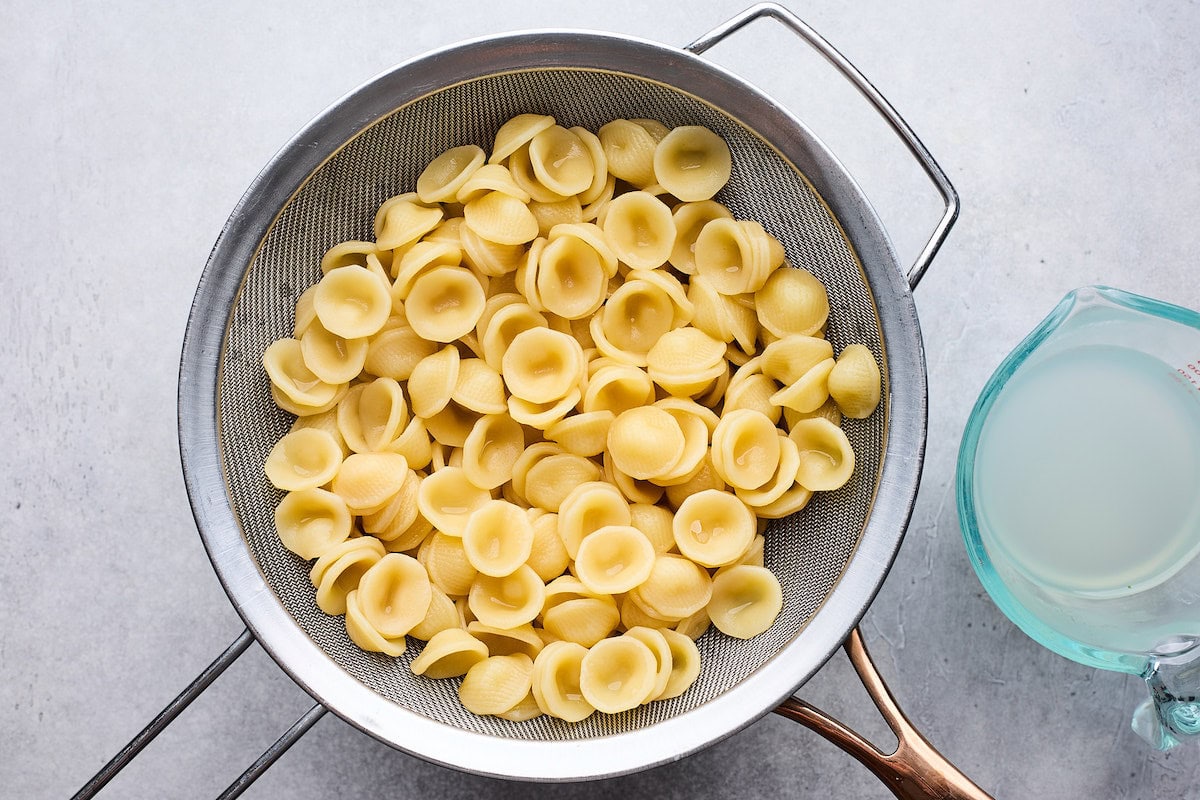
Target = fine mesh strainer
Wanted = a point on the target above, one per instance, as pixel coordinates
(324, 188)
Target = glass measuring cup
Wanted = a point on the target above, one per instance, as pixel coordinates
(1079, 494)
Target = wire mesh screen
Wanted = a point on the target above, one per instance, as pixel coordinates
(807, 552)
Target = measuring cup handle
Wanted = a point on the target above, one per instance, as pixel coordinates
(864, 86)
(1171, 715)
(916, 770)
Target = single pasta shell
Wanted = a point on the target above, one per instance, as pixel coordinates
(507, 641)
(617, 674)
(584, 434)
(496, 684)
(490, 178)
(685, 664)
(792, 301)
(690, 219)
(440, 181)
(826, 457)
(365, 636)
(745, 600)
(445, 303)
(561, 161)
(854, 382)
(447, 498)
(614, 559)
(394, 594)
(787, 359)
(516, 132)
(745, 448)
(498, 538)
(692, 163)
(640, 229)
(501, 218)
(556, 682)
(584, 620)
(629, 150)
(508, 601)
(365, 481)
(402, 220)
(491, 449)
(677, 587)
(303, 459)
(449, 654)
(713, 528)
(810, 390)
(433, 380)
(645, 442)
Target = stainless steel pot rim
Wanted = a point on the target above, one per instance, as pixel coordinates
(223, 538)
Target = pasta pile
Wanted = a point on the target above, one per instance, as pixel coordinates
(543, 417)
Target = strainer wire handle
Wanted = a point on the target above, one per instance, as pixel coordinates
(165, 717)
(915, 770)
(864, 86)
(272, 754)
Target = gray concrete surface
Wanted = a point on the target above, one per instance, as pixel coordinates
(131, 129)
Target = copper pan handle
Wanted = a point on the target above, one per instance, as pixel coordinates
(916, 770)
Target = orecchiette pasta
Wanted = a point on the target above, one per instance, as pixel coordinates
(543, 418)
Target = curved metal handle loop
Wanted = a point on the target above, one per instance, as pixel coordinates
(182, 701)
(864, 86)
(916, 770)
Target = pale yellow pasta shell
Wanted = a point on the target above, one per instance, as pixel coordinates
(854, 382)
(589, 507)
(363, 634)
(745, 600)
(496, 684)
(783, 479)
(444, 304)
(695, 443)
(420, 258)
(645, 442)
(600, 176)
(745, 449)
(446, 562)
(655, 524)
(525, 461)
(507, 641)
(634, 616)
(394, 352)
(441, 615)
(503, 326)
(565, 588)
(366, 481)
(677, 587)
(490, 178)
(792, 301)
(570, 278)
(449, 654)
(754, 394)
(303, 459)
(305, 313)
(414, 444)
(584, 434)
(828, 410)
(690, 219)
(617, 674)
(614, 559)
(398, 514)
(440, 181)
(332, 358)
(583, 620)
(685, 663)
(349, 253)
(640, 229)
(447, 498)
(736, 256)
(479, 387)
(432, 381)
(402, 220)
(551, 215)
(372, 415)
(809, 392)
(826, 457)
(635, 490)
(337, 572)
(682, 362)
(326, 422)
(692, 163)
(629, 150)
(618, 388)
(662, 279)
(548, 557)
(520, 164)
(300, 410)
(508, 601)
(653, 638)
(523, 711)
(310, 522)
(498, 538)
(491, 449)
(542, 365)
(284, 363)
(501, 218)
(516, 132)
(490, 258)
(634, 318)
(595, 208)
(451, 426)
(713, 528)
(706, 477)
(556, 682)
(789, 358)
(549, 481)
(694, 626)
(394, 594)
(561, 161)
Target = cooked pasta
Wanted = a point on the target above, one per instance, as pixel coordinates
(854, 382)
(543, 417)
(745, 600)
(692, 163)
